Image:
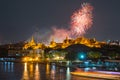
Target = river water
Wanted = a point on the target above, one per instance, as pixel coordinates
(36, 71)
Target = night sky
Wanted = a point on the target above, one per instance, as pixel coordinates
(20, 19)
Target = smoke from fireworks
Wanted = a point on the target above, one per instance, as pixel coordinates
(81, 21)
(59, 34)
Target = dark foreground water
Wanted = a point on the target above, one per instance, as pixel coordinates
(36, 71)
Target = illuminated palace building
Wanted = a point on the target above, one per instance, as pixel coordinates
(81, 40)
(26, 48)
(33, 47)
(67, 42)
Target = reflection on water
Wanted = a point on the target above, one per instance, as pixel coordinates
(59, 73)
(47, 71)
(47, 68)
(31, 73)
(53, 72)
(7, 66)
(36, 71)
(31, 70)
(68, 74)
(25, 72)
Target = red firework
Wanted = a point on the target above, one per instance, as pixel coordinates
(81, 20)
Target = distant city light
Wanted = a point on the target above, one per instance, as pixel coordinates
(81, 55)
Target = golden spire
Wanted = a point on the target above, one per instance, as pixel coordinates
(32, 40)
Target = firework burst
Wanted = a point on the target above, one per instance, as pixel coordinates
(81, 20)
